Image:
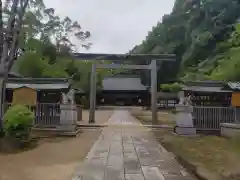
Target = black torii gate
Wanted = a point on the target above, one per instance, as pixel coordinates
(124, 57)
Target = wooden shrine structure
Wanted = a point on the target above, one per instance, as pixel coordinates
(152, 58)
(123, 90)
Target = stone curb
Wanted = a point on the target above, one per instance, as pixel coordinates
(127, 125)
(58, 132)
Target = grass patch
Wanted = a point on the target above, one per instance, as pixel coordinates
(164, 117)
(218, 155)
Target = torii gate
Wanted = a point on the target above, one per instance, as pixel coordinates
(124, 57)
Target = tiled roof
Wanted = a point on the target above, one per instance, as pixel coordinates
(205, 83)
(37, 86)
(38, 83)
(14, 74)
(206, 86)
(39, 80)
(234, 85)
(205, 89)
(124, 83)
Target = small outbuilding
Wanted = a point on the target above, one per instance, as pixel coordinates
(208, 93)
(36, 90)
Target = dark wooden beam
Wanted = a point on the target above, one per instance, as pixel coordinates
(123, 57)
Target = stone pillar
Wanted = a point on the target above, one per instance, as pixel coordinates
(154, 92)
(92, 95)
(79, 113)
(68, 116)
(184, 120)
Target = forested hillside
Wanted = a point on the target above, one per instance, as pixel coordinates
(205, 36)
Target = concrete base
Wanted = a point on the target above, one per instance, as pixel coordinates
(67, 128)
(51, 132)
(191, 131)
(230, 130)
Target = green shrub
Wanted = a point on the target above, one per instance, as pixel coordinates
(166, 87)
(175, 87)
(17, 122)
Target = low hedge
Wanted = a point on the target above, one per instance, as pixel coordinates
(175, 87)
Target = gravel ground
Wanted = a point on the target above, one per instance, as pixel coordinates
(52, 159)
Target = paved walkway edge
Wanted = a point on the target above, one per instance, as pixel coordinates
(88, 157)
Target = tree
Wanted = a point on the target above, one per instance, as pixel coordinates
(31, 64)
(60, 32)
(13, 11)
(21, 23)
(54, 71)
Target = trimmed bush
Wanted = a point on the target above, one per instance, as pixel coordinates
(166, 87)
(175, 87)
(17, 122)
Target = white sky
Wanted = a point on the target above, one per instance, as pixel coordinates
(116, 25)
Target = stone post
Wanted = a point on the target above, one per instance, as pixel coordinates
(68, 116)
(92, 95)
(184, 120)
(79, 113)
(154, 91)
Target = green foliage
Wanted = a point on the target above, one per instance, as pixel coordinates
(31, 64)
(84, 70)
(228, 67)
(175, 87)
(201, 33)
(43, 39)
(54, 71)
(17, 122)
(166, 87)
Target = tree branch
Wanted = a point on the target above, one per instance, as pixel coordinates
(13, 49)
(11, 20)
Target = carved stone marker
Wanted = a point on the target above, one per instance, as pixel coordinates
(184, 118)
(68, 117)
(181, 97)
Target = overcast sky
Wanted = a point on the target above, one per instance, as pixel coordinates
(116, 25)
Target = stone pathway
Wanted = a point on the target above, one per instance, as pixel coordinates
(123, 118)
(129, 154)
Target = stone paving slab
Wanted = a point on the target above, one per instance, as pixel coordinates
(129, 154)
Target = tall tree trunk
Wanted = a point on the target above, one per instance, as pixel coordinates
(9, 46)
(2, 94)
